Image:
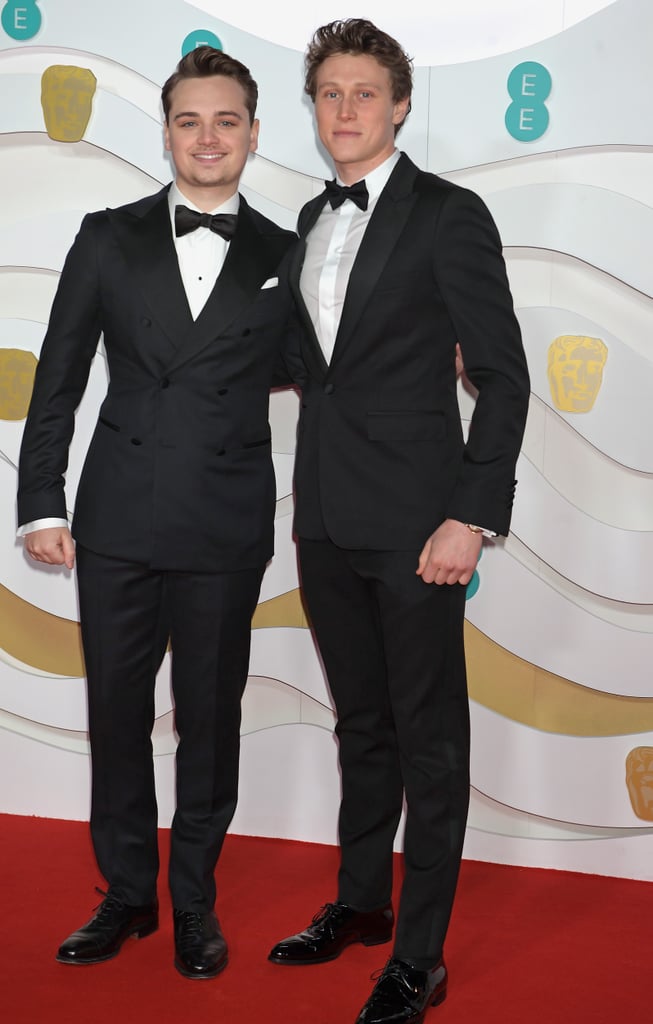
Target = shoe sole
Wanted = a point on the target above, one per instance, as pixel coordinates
(141, 932)
(309, 961)
(205, 975)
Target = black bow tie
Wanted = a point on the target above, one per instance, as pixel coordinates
(224, 224)
(336, 194)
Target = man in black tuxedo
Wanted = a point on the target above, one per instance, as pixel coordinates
(391, 273)
(174, 515)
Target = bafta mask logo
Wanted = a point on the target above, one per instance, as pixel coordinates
(66, 97)
(17, 369)
(639, 779)
(575, 371)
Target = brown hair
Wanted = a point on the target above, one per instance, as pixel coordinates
(205, 61)
(359, 36)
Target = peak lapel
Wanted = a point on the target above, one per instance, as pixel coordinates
(386, 224)
(145, 237)
(245, 269)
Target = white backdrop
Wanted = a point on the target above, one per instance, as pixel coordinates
(560, 630)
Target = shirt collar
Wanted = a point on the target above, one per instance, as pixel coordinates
(377, 179)
(177, 198)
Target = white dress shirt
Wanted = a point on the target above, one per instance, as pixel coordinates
(201, 255)
(331, 248)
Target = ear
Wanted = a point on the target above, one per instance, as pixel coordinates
(253, 135)
(166, 135)
(400, 110)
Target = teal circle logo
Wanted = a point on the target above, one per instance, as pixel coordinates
(473, 585)
(527, 117)
(21, 19)
(200, 37)
(475, 581)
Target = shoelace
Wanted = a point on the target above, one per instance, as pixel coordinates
(325, 911)
(191, 922)
(391, 969)
(327, 917)
(108, 904)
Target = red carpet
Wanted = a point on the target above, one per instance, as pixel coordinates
(524, 945)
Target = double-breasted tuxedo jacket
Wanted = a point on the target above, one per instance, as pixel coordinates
(383, 415)
(179, 471)
(381, 462)
(173, 520)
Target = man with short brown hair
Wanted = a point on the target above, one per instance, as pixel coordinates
(395, 268)
(174, 518)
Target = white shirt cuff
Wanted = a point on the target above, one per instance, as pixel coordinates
(40, 524)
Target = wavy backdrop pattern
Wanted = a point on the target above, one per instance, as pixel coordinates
(560, 624)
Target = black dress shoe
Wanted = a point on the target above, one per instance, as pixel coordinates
(333, 928)
(200, 948)
(101, 937)
(403, 994)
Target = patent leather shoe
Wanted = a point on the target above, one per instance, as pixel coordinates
(101, 937)
(333, 928)
(200, 947)
(403, 994)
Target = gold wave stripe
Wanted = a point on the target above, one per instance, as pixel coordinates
(46, 642)
(498, 679)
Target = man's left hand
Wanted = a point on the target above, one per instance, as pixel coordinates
(450, 554)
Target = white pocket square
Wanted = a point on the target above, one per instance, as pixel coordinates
(271, 282)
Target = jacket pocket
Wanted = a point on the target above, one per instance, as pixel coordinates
(109, 424)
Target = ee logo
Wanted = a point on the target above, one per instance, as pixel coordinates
(200, 37)
(21, 19)
(527, 117)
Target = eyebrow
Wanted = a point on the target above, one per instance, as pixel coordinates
(372, 85)
(216, 113)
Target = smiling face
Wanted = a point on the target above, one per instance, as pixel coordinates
(356, 114)
(209, 134)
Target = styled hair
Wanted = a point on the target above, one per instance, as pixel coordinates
(204, 62)
(359, 36)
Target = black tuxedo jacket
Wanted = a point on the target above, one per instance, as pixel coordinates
(381, 458)
(179, 471)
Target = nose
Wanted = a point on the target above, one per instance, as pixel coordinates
(346, 109)
(207, 135)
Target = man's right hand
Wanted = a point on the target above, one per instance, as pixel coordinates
(53, 545)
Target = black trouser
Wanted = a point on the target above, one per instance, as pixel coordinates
(393, 651)
(127, 613)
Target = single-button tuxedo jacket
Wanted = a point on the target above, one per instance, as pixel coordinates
(381, 457)
(179, 471)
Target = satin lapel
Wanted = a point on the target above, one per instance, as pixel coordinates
(245, 269)
(145, 238)
(311, 350)
(386, 225)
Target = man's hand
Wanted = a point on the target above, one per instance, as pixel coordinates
(450, 554)
(54, 546)
(460, 366)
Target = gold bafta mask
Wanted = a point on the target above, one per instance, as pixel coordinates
(639, 779)
(17, 369)
(66, 97)
(575, 371)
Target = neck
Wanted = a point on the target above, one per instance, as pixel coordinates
(206, 199)
(350, 173)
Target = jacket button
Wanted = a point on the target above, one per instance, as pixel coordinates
(329, 389)
(246, 332)
(136, 440)
(165, 383)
